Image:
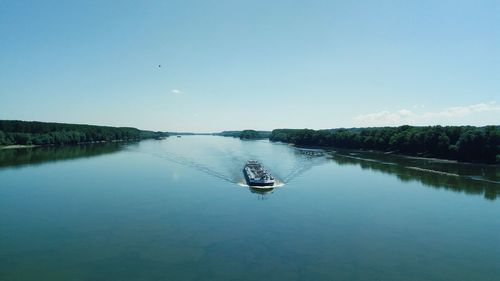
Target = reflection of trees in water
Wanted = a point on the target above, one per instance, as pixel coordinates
(39, 155)
(488, 172)
(460, 182)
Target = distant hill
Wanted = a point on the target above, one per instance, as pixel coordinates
(15, 132)
(245, 134)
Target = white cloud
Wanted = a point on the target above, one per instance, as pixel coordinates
(386, 117)
(459, 111)
(450, 115)
(176, 92)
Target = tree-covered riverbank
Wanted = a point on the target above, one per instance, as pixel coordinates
(13, 132)
(462, 143)
(246, 134)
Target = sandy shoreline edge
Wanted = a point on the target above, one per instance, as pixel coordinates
(17, 146)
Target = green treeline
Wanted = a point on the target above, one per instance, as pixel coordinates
(246, 134)
(43, 133)
(463, 143)
(252, 134)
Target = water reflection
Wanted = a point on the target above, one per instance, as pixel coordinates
(261, 193)
(224, 159)
(457, 177)
(38, 155)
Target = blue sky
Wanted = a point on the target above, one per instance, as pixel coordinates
(250, 64)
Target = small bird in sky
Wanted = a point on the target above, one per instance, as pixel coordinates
(159, 65)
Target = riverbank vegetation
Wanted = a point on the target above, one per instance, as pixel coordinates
(13, 132)
(246, 134)
(462, 143)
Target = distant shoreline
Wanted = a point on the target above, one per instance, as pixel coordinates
(21, 146)
(462, 143)
(16, 146)
(27, 133)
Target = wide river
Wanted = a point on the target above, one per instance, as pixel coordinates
(178, 209)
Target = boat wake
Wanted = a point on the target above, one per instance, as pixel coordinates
(227, 165)
(305, 160)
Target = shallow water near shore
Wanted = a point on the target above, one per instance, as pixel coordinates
(179, 209)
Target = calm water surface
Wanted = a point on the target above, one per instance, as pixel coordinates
(178, 209)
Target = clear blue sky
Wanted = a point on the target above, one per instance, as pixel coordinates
(250, 64)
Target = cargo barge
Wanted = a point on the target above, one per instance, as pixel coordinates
(257, 176)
